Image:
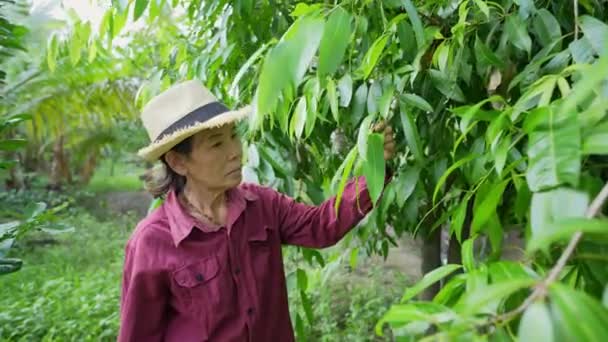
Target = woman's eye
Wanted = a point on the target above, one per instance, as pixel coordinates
(218, 144)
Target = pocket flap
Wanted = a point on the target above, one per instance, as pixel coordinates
(260, 234)
(198, 272)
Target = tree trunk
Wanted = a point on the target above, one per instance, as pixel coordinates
(431, 259)
(88, 168)
(60, 170)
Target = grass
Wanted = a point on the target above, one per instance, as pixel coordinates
(70, 290)
(123, 178)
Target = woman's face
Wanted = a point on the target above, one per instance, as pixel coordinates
(215, 159)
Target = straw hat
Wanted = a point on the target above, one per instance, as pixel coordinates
(181, 111)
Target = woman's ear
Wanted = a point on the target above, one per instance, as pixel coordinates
(176, 162)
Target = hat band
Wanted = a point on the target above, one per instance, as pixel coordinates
(199, 115)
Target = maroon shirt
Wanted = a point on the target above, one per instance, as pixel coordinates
(184, 281)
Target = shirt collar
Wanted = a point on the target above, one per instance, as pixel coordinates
(181, 222)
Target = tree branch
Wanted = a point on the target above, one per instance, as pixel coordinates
(541, 289)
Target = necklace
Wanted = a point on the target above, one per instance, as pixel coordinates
(194, 211)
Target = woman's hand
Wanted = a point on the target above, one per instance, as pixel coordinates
(389, 139)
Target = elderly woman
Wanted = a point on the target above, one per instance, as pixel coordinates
(207, 265)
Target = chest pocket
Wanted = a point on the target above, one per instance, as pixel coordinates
(199, 284)
(261, 246)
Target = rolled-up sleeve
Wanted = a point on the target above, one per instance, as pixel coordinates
(143, 299)
(321, 226)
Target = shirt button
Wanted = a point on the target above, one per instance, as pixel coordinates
(250, 311)
(237, 271)
(200, 277)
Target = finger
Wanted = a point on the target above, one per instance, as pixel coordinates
(379, 126)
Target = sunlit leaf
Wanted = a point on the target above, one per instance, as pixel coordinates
(345, 88)
(346, 168)
(359, 102)
(372, 56)
(483, 7)
(596, 141)
(468, 258)
(287, 61)
(536, 324)
(577, 315)
(428, 280)
(299, 118)
(477, 300)
(352, 260)
(374, 166)
(550, 207)
(596, 32)
(140, 7)
(363, 135)
(336, 38)
(332, 96)
(487, 206)
(554, 149)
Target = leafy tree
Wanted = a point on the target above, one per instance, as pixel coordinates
(500, 111)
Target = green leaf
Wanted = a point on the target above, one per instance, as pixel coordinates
(374, 166)
(416, 22)
(334, 42)
(359, 103)
(451, 291)
(596, 32)
(346, 167)
(411, 132)
(373, 97)
(605, 297)
(596, 140)
(485, 55)
(384, 103)
(554, 149)
(302, 279)
(12, 144)
(75, 49)
(517, 32)
(447, 173)
(400, 314)
(577, 315)
(483, 8)
(345, 87)
(364, 131)
(428, 280)
(299, 118)
(468, 258)
(406, 40)
(416, 101)
(564, 229)
(535, 324)
(458, 218)
(353, 257)
(508, 270)
(581, 51)
(287, 62)
(447, 87)
(333, 99)
(546, 28)
(140, 7)
(406, 183)
(475, 301)
(500, 154)
(487, 206)
(372, 56)
(51, 54)
(307, 307)
(551, 207)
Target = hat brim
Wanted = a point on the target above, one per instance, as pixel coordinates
(157, 148)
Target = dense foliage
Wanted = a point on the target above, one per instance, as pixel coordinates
(500, 112)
